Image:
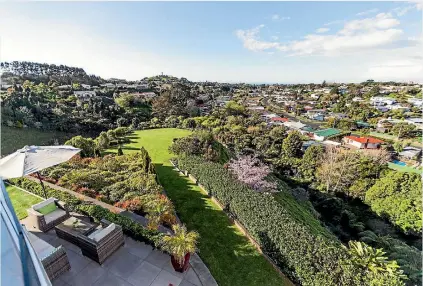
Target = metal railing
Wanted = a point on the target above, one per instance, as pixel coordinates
(17, 251)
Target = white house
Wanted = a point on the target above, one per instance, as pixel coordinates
(363, 142)
(86, 86)
(294, 125)
(84, 94)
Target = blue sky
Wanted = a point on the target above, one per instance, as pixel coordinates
(286, 42)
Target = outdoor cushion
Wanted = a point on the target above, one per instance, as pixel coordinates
(43, 203)
(105, 231)
(51, 207)
(54, 215)
(91, 235)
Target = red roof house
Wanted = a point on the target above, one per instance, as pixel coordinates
(363, 142)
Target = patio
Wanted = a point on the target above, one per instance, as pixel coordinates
(134, 264)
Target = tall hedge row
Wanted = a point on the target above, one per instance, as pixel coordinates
(307, 258)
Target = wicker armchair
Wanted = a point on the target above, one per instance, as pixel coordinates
(103, 242)
(54, 259)
(47, 222)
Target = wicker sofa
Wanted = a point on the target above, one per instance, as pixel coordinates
(102, 242)
(99, 243)
(54, 259)
(48, 221)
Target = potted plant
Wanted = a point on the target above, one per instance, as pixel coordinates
(180, 246)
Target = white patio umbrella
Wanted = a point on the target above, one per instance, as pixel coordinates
(32, 159)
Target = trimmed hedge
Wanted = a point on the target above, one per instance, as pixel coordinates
(129, 227)
(307, 258)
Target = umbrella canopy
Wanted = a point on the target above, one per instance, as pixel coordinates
(31, 159)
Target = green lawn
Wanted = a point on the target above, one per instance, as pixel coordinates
(15, 138)
(404, 169)
(21, 200)
(229, 255)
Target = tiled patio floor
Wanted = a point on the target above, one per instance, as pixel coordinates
(134, 264)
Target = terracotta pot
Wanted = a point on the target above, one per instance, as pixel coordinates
(180, 267)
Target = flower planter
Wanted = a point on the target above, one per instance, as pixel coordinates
(180, 267)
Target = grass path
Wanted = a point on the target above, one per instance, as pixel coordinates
(21, 200)
(229, 255)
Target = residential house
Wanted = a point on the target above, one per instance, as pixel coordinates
(108, 85)
(316, 114)
(255, 108)
(85, 95)
(416, 102)
(357, 99)
(321, 135)
(278, 120)
(66, 86)
(86, 86)
(362, 124)
(398, 107)
(362, 142)
(410, 152)
(381, 101)
(417, 121)
(294, 125)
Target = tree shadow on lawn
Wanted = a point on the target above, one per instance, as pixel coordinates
(229, 255)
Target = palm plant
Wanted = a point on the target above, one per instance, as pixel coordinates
(373, 259)
(181, 243)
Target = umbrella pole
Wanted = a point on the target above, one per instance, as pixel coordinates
(42, 185)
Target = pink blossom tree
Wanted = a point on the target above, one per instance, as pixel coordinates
(252, 172)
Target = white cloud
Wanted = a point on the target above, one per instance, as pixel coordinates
(379, 22)
(277, 17)
(333, 23)
(397, 70)
(367, 12)
(337, 44)
(322, 30)
(355, 36)
(274, 38)
(251, 39)
(401, 11)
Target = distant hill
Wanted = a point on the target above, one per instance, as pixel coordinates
(17, 72)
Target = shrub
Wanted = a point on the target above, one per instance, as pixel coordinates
(308, 258)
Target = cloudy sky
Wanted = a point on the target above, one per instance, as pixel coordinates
(285, 42)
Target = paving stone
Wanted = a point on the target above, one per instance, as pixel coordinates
(192, 277)
(144, 275)
(123, 263)
(77, 263)
(165, 278)
(137, 248)
(186, 283)
(111, 280)
(89, 275)
(158, 258)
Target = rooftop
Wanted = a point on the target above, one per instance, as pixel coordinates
(365, 139)
(327, 132)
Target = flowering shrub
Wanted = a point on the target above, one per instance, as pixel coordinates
(252, 172)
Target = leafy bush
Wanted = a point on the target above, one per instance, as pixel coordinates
(398, 197)
(307, 258)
